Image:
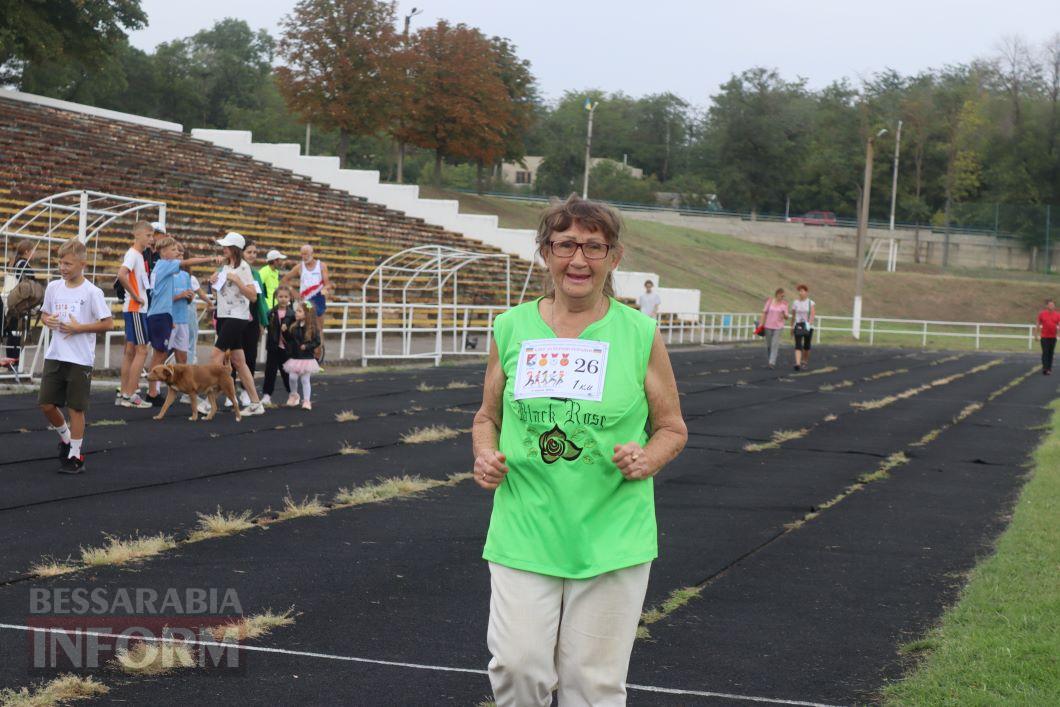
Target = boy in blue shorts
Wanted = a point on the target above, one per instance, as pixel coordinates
(160, 312)
(75, 311)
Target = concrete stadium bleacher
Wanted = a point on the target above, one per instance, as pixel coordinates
(207, 188)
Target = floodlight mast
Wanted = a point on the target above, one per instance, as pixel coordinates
(863, 225)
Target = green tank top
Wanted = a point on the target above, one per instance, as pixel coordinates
(564, 509)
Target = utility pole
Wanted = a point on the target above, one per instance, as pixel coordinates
(591, 107)
(401, 145)
(863, 227)
(894, 177)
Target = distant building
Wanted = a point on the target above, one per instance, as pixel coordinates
(524, 173)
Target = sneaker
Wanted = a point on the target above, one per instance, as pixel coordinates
(228, 402)
(244, 399)
(307, 405)
(72, 465)
(796, 367)
(204, 407)
(135, 401)
(186, 399)
(64, 450)
(266, 400)
(156, 401)
(118, 398)
(292, 400)
(253, 409)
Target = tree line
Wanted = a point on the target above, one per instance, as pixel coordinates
(447, 103)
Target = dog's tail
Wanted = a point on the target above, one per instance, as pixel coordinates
(227, 363)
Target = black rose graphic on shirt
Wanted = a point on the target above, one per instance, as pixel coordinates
(555, 445)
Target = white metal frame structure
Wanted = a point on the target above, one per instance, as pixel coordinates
(52, 221)
(412, 284)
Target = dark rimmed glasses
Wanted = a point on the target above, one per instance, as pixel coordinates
(591, 250)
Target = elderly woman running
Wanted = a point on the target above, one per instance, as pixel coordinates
(580, 410)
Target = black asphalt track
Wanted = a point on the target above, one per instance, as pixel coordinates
(402, 581)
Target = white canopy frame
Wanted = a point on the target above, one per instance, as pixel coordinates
(52, 221)
(425, 271)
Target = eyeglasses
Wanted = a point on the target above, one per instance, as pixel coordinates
(591, 250)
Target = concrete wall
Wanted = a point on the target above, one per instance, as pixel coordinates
(89, 110)
(966, 250)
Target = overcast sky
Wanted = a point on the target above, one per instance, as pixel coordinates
(688, 47)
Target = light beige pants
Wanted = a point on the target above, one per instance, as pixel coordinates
(571, 635)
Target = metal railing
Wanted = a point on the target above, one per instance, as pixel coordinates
(462, 325)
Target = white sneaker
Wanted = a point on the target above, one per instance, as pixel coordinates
(135, 402)
(204, 407)
(266, 400)
(185, 399)
(228, 402)
(117, 398)
(244, 399)
(253, 409)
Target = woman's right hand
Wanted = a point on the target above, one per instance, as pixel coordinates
(490, 469)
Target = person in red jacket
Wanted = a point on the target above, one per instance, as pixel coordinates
(1048, 320)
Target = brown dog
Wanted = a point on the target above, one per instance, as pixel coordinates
(195, 381)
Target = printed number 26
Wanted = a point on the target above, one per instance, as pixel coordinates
(581, 367)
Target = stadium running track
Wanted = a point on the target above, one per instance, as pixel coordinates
(788, 612)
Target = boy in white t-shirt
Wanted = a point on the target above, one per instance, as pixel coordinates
(75, 311)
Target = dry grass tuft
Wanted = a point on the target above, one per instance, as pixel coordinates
(51, 568)
(778, 438)
(220, 523)
(434, 433)
(814, 372)
(154, 658)
(678, 598)
(383, 489)
(888, 400)
(348, 448)
(106, 423)
(63, 689)
(457, 385)
(830, 417)
(885, 374)
(883, 471)
(118, 551)
(346, 416)
(255, 626)
(424, 388)
(835, 386)
(301, 509)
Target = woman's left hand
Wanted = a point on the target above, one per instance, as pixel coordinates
(632, 461)
(235, 279)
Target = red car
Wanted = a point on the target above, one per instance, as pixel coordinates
(816, 218)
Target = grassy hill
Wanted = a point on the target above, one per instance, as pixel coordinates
(736, 275)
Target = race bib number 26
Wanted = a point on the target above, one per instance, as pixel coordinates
(561, 368)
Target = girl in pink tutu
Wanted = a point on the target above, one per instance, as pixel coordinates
(302, 339)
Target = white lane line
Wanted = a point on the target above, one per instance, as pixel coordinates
(375, 661)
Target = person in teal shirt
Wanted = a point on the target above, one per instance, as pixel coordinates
(580, 410)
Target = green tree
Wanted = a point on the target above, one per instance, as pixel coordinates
(62, 32)
(758, 123)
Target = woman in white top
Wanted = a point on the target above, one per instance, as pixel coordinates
(236, 292)
(805, 313)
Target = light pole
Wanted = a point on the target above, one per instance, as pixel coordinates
(863, 227)
(401, 145)
(591, 107)
(894, 176)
